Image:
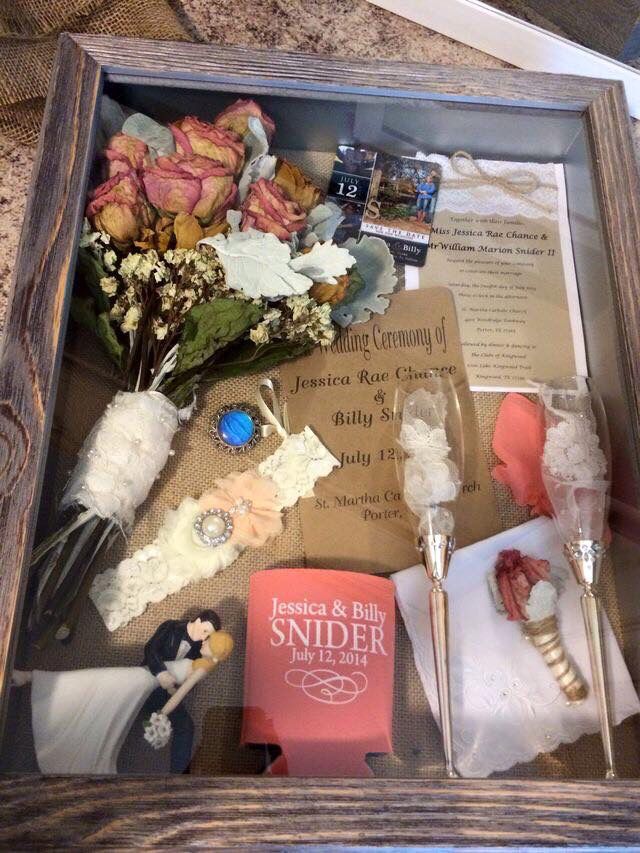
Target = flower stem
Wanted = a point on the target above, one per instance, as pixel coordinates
(66, 577)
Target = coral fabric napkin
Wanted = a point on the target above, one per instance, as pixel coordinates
(506, 705)
(319, 669)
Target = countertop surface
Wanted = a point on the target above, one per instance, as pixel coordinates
(345, 28)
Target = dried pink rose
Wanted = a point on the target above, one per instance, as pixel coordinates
(236, 117)
(194, 136)
(518, 441)
(268, 209)
(516, 574)
(190, 183)
(119, 208)
(125, 153)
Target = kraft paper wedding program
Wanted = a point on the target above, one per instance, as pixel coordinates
(357, 519)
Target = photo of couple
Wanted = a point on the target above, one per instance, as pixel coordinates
(403, 193)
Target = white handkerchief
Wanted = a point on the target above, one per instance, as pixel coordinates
(506, 706)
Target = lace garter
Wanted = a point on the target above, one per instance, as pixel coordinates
(201, 537)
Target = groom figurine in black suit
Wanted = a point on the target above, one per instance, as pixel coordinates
(175, 640)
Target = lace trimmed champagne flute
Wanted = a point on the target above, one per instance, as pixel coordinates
(429, 432)
(576, 469)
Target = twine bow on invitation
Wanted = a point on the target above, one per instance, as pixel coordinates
(521, 183)
(277, 419)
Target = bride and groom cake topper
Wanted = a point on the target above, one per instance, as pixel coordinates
(80, 718)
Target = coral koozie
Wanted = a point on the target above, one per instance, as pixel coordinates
(319, 669)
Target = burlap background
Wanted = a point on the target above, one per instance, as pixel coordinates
(28, 33)
(86, 386)
(217, 703)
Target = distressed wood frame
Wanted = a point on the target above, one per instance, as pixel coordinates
(183, 811)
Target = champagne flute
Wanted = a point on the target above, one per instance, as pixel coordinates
(428, 430)
(576, 469)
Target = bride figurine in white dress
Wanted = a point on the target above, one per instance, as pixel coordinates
(81, 718)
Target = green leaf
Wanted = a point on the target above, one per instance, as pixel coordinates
(83, 311)
(249, 358)
(90, 271)
(107, 334)
(210, 327)
(182, 390)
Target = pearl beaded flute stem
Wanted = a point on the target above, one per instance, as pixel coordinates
(575, 470)
(430, 478)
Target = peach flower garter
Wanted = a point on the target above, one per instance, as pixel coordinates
(202, 537)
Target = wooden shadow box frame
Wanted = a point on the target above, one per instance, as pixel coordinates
(45, 812)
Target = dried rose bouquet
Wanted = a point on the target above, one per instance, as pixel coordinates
(203, 256)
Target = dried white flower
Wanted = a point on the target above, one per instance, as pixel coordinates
(157, 731)
(308, 320)
(110, 260)
(109, 285)
(131, 319)
(160, 329)
(260, 334)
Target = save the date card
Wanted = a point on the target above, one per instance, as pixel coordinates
(349, 188)
(387, 196)
(401, 204)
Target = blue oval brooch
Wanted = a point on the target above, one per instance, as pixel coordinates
(235, 429)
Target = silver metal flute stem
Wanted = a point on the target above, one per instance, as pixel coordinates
(436, 550)
(585, 558)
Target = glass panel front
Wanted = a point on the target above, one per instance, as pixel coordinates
(324, 495)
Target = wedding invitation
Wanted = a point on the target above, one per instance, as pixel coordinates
(357, 518)
(501, 242)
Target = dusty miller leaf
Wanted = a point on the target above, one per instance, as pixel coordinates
(326, 262)
(257, 264)
(377, 270)
(158, 138)
(322, 222)
(259, 163)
